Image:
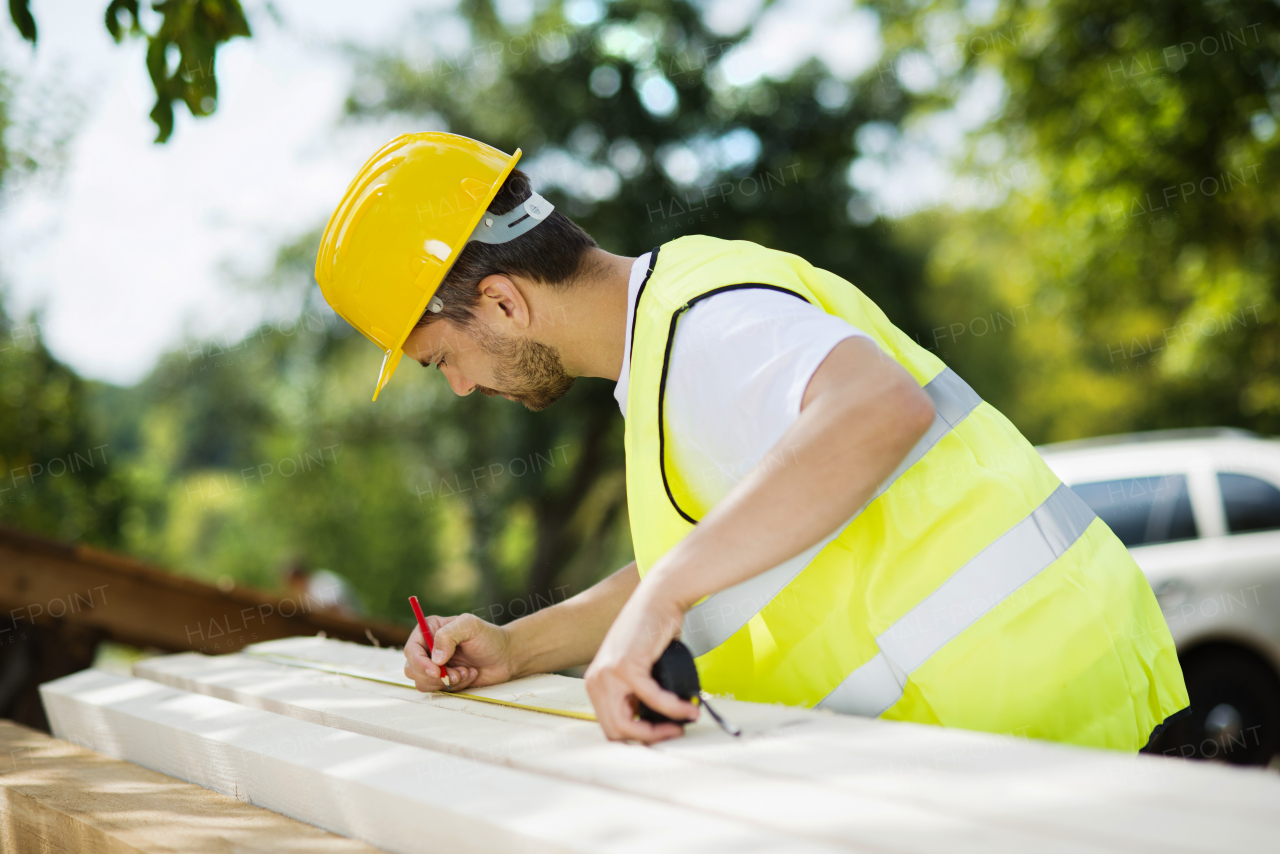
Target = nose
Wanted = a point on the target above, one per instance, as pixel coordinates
(461, 385)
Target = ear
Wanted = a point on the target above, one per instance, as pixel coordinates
(502, 303)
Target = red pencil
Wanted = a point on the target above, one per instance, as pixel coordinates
(426, 635)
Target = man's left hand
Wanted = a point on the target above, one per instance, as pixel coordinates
(620, 675)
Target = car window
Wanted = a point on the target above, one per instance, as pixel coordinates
(1251, 503)
(1142, 510)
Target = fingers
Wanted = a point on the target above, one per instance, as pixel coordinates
(661, 700)
(452, 633)
(615, 712)
(614, 694)
(418, 663)
(415, 650)
(419, 667)
(647, 733)
(461, 678)
(434, 622)
(424, 681)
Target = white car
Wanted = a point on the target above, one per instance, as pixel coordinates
(1200, 513)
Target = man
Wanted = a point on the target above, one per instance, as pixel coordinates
(825, 513)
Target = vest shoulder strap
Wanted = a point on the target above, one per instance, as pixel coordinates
(688, 268)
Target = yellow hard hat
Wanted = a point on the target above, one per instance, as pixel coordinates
(404, 220)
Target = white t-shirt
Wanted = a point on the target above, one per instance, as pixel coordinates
(739, 367)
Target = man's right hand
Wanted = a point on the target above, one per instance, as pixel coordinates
(475, 653)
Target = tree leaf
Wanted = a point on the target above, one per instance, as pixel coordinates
(130, 8)
(22, 19)
(196, 28)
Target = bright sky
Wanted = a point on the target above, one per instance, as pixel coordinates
(135, 246)
(130, 249)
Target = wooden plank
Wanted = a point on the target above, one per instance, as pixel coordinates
(398, 797)
(47, 583)
(915, 802)
(1138, 803)
(894, 757)
(58, 797)
(546, 692)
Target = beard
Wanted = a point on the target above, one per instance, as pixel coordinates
(531, 372)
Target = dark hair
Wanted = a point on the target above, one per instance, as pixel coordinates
(551, 254)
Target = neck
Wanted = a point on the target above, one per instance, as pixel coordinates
(587, 322)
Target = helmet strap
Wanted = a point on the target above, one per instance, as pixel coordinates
(501, 228)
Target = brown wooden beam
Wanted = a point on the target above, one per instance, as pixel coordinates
(57, 797)
(43, 583)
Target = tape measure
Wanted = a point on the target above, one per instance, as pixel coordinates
(550, 694)
(676, 672)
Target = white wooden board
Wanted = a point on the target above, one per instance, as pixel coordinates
(866, 783)
(394, 796)
(545, 692)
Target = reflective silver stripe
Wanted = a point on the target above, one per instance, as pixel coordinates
(953, 399)
(715, 620)
(863, 691)
(974, 589)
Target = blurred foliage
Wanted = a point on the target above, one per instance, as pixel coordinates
(20, 13)
(243, 457)
(5, 156)
(180, 53)
(764, 162)
(1143, 241)
(56, 476)
(1076, 291)
(598, 107)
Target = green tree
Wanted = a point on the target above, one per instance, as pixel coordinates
(56, 468)
(57, 474)
(243, 456)
(1077, 264)
(1144, 242)
(181, 53)
(640, 142)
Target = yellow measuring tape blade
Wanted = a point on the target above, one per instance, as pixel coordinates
(546, 693)
(564, 713)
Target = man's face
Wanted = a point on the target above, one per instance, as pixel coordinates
(480, 358)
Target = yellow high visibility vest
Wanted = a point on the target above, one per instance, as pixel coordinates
(974, 590)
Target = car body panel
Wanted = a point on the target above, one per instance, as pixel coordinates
(1219, 587)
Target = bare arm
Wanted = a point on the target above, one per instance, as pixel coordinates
(568, 634)
(860, 416)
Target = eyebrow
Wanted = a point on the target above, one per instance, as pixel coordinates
(435, 353)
